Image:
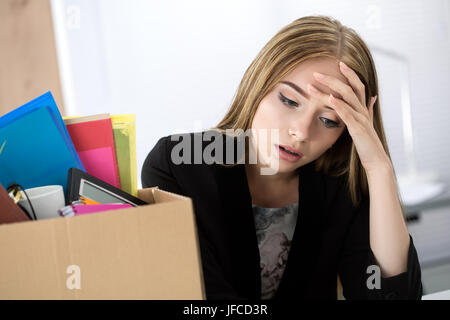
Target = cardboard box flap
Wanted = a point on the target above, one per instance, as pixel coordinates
(156, 195)
(147, 195)
(166, 196)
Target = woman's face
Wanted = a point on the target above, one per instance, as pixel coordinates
(303, 122)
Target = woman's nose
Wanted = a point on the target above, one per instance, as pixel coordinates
(302, 127)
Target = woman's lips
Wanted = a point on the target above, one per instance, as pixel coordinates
(288, 156)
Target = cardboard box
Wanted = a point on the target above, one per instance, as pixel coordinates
(148, 252)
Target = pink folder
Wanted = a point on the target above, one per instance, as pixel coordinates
(93, 139)
(91, 208)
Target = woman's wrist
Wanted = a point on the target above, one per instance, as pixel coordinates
(383, 168)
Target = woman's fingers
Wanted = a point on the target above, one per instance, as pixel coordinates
(371, 106)
(346, 91)
(343, 112)
(355, 82)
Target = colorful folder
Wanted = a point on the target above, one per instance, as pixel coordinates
(124, 128)
(79, 209)
(35, 147)
(94, 141)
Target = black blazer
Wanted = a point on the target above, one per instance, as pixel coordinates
(331, 236)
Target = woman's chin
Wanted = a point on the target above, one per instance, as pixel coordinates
(275, 166)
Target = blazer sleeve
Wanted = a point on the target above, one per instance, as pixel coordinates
(156, 171)
(357, 256)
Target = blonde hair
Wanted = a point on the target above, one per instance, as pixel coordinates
(306, 38)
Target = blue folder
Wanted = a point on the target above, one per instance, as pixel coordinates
(35, 147)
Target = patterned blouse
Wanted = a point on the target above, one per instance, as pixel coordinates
(274, 231)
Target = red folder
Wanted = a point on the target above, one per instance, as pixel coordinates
(93, 139)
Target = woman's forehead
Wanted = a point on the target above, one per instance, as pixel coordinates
(303, 74)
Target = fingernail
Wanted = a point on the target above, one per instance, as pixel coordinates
(343, 65)
(318, 75)
(312, 88)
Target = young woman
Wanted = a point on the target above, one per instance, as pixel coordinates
(330, 210)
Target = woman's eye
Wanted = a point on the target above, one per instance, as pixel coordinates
(287, 101)
(292, 104)
(329, 123)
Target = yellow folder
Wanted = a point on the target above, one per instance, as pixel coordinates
(124, 129)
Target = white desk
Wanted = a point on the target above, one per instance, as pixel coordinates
(441, 295)
(442, 200)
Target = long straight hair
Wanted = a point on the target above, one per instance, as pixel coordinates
(306, 38)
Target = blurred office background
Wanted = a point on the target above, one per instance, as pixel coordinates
(177, 65)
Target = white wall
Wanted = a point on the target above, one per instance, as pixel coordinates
(177, 64)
